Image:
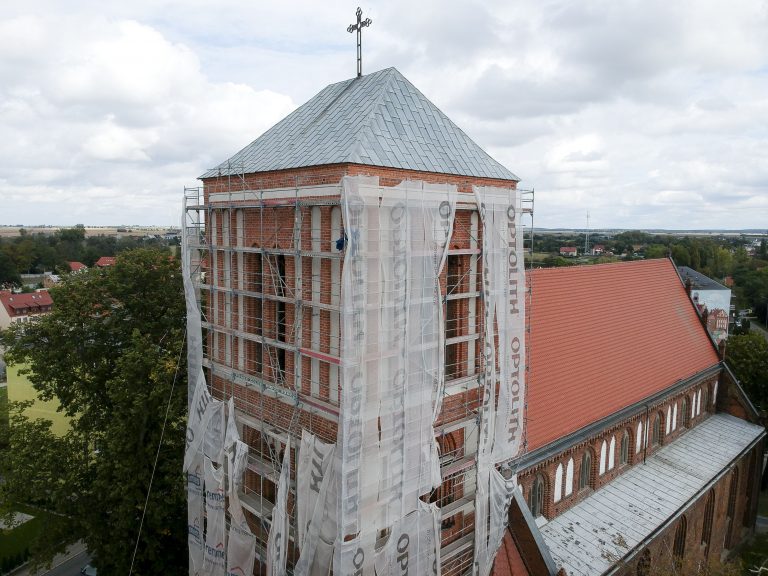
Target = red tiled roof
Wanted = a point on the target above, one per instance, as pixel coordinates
(604, 337)
(508, 560)
(568, 249)
(76, 266)
(105, 261)
(29, 303)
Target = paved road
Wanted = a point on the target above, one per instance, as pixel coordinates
(70, 567)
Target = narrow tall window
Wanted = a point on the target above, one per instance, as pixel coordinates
(731, 512)
(674, 417)
(612, 453)
(679, 547)
(537, 496)
(558, 483)
(656, 436)
(709, 515)
(686, 415)
(624, 456)
(586, 469)
(747, 519)
(603, 456)
(639, 437)
(667, 429)
(569, 477)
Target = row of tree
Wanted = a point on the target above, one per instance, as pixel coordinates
(38, 253)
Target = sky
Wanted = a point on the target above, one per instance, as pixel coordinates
(644, 114)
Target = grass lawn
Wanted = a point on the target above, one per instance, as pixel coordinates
(13, 542)
(3, 416)
(20, 388)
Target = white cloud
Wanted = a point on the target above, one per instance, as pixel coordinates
(647, 114)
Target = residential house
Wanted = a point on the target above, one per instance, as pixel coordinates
(23, 307)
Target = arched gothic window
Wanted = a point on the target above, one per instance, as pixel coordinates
(709, 515)
(639, 437)
(569, 477)
(603, 456)
(656, 436)
(586, 469)
(731, 511)
(674, 417)
(612, 453)
(537, 496)
(624, 455)
(558, 491)
(679, 547)
(685, 409)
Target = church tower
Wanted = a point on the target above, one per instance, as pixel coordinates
(360, 276)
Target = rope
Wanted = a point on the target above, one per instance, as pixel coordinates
(157, 454)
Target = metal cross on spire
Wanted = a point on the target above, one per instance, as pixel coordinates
(359, 28)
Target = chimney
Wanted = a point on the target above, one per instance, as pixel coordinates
(688, 286)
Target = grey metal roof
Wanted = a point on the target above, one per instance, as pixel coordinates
(380, 119)
(591, 537)
(698, 280)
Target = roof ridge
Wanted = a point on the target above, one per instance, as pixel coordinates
(324, 111)
(354, 150)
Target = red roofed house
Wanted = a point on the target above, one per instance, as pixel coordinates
(23, 307)
(76, 266)
(569, 251)
(598, 249)
(646, 451)
(105, 261)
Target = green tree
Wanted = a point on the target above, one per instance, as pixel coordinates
(680, 255)
(747, 356)
(110, 353)
(8, 271)
(656, 251)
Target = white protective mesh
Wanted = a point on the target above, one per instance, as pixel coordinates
(501, 423)
(277, 543)
(391, 365)
(215, 551)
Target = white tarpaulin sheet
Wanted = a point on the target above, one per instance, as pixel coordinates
(391, 358)
(241, 543)
(413, 546)
(195, 522)
(322, 530)
(215, 551)
(501, 423)
(213, 445)
(277, 542)
(314, 462)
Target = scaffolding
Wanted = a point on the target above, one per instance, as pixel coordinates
(267, 265)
